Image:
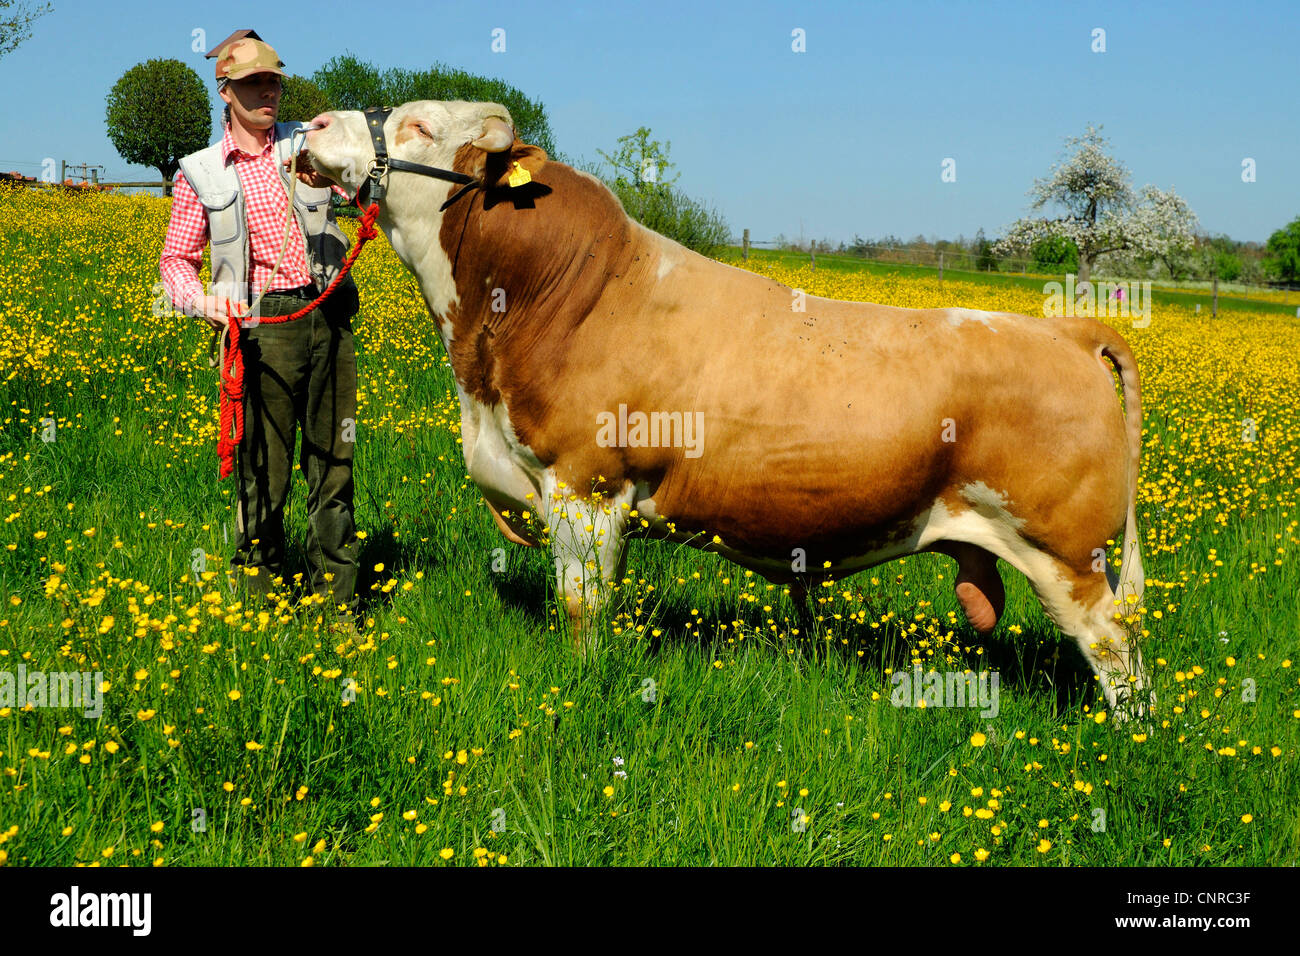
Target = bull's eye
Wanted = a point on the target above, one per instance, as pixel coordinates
(424, 130)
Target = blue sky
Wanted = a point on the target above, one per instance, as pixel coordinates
(847, 137)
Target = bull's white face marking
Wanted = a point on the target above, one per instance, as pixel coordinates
(409, 213)
(958, 316)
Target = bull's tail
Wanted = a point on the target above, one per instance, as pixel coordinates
(1111, 345)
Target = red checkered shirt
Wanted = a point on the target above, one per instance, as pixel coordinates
(265, 201)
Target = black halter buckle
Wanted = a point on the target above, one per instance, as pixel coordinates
(376, 116)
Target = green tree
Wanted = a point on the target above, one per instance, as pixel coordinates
(1219, 258)
(1282, 253)
(1178, 260)
(642, 183)
(640, 162)
(985, 260)
(672, 213)
(158, 112)
(1054, 255)
(350, 84)
(1100, 213)
(16, 27)
(301, 99)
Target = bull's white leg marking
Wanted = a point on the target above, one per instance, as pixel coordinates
(1102, 640)
(587, 543)
(504, 468)
(1116, 658)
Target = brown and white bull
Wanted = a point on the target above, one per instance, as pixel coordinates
(831, 438)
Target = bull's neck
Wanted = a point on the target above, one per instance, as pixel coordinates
(532, 262)
(511, 274)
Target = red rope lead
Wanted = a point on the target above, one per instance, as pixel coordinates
(231, 429)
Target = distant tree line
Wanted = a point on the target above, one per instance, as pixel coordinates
(346, 83)
(1254, 263)
(160, 111)
(1089, 218)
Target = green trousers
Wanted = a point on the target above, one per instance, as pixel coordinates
(301, 372)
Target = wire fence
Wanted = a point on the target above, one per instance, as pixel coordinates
(155, 188)
(953, 258)
(942, 256)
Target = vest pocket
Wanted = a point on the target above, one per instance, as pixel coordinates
(313, 204)
(223, 217)
(326, 244)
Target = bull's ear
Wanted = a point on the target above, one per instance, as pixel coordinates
(495, 168)
(497, 135)
(499, 167)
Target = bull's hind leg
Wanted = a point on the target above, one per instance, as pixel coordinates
(589, 547)
(1083, 605)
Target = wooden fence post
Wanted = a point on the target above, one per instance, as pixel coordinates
(941, 267)
(1215, 312)
(744, 251)
(812, 249)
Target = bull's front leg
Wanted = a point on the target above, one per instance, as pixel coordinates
(586, 531)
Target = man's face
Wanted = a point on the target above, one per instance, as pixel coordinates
(254, 100)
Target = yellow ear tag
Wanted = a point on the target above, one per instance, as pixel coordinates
(519, 176)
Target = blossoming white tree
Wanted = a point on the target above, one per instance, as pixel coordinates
(1101, 212)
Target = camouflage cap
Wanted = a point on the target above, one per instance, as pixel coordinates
(241, 58)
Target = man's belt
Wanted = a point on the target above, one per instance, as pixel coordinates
(304, 292)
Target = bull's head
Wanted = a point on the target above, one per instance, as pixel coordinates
(477, 139)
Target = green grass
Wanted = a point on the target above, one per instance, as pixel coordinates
(816, 709)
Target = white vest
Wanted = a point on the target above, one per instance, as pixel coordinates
(219, 189)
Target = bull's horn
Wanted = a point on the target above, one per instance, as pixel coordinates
(497, 135)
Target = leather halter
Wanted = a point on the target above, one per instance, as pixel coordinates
(383, 163)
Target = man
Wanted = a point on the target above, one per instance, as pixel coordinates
(234, 195)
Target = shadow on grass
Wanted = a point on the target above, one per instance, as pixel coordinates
(378, 549)
(526, 592)
(1039, 660)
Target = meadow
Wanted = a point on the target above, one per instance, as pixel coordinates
(706, 727)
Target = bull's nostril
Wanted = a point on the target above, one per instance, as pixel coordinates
(320, 121)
